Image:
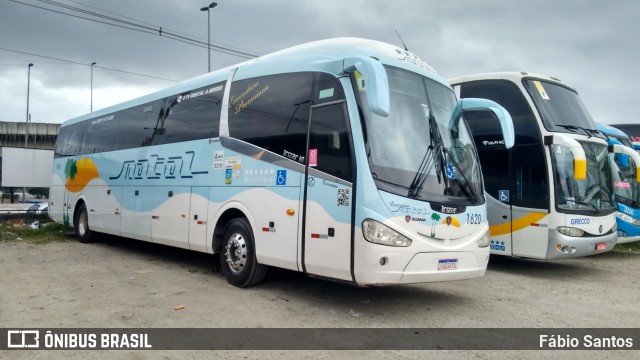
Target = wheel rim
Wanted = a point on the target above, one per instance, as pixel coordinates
(236, 253)
(82, 224)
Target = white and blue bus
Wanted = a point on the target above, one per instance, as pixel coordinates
(345, 159)
(626, 190)
(550, 195)
(631, 130)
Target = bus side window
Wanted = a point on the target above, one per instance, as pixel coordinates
(494, 157)
(100, 135)
(138, 126)
(527, 158)
(192, 115)
(63, 137)
(329, 136)
(326, 88)
(272, 112)
(70, 140)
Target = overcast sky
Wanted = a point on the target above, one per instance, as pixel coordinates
(591, 45)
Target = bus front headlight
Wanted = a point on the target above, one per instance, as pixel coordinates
(627, 218)
(378, 233)
(570, 231)
(484, 240)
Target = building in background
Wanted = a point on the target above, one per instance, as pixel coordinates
(39, 136)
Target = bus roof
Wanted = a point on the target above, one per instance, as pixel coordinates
(514, 76)
(611, 131)
(633, 130)
(322, 56)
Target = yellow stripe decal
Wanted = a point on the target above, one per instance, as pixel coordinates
(517, 224)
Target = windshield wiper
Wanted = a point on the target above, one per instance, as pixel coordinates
(464, 186)
(430, 158)
(585, 203)
(589, 132)
(625, 200)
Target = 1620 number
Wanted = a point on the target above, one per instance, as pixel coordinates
(474, 219)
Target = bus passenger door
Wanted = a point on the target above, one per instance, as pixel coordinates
(327, 238)
(529, 201)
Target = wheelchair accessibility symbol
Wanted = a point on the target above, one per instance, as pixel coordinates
(281, 177)
(450, 172)
(503, 195)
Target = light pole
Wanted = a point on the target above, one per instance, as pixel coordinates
(26, 126)
(93, 63)
(207, 9)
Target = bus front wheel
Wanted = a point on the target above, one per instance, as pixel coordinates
(81, 225)
(238, 256)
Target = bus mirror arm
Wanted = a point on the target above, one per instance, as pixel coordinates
(375, 78)
(621, 149)
(471, 104)
(579, 157)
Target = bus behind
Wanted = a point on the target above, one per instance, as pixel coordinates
(550, 196)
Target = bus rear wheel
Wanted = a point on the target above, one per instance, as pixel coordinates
(238, 256)
(81, 225)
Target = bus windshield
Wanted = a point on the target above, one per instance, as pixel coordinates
(592, 194)
(416, 151)
(560, 108)
(625, 187)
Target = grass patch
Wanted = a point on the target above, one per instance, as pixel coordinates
(45, 234)
(634, 246)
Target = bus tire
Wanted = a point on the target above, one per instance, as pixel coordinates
(81, 225)
(238, 256)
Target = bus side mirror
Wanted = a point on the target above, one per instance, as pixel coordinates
(375, 78)
(471, 104)
(621, 149)
(579, 157)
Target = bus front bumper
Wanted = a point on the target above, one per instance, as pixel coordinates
(628, 239)
(563, 247)
(424, 267)
(627, 232)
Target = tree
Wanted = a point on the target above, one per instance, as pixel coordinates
(435, 217)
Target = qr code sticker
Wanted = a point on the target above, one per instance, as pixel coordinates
(343, 197)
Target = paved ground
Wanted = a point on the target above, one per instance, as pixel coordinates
(131, 284)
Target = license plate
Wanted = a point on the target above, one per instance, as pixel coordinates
(447, 264)
(601, 246)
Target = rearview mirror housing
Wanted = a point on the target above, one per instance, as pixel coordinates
(376, 79)
(471, 104)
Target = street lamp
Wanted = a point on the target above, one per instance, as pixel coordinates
(93, 63)
(26, 126)
(207, 8)
(27, 120)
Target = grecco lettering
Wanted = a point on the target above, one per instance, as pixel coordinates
(584, 221)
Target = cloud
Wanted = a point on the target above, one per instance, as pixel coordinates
(589, 43)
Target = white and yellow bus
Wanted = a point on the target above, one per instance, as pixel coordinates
(550, 195)
(344, 159)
